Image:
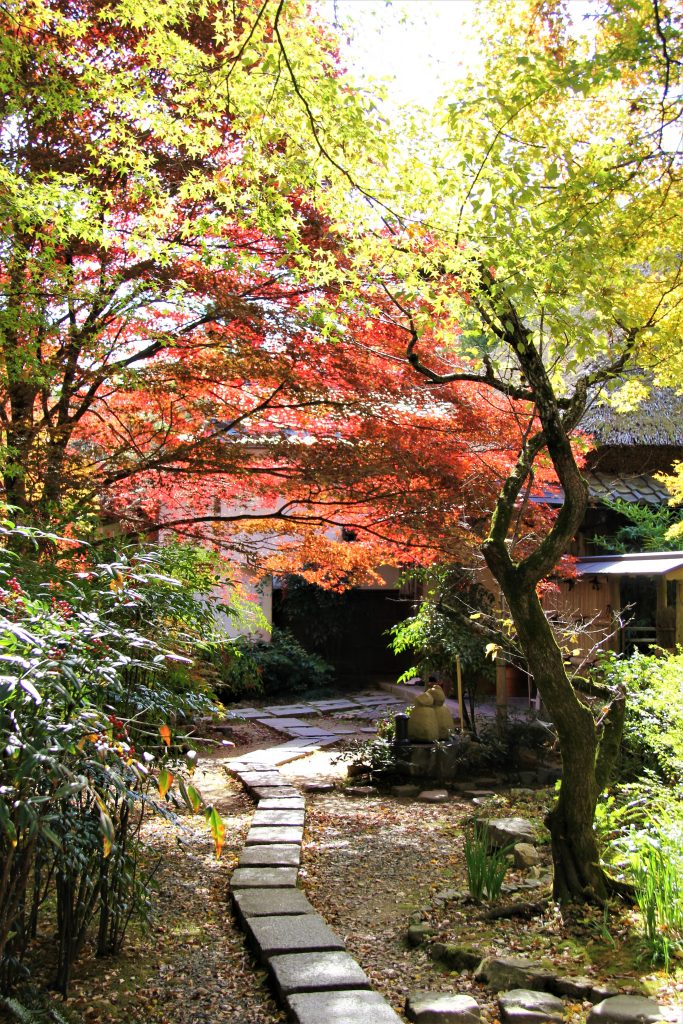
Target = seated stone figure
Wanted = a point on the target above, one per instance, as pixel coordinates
(443, 716)
(423, 725)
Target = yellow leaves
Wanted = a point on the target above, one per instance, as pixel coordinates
(164, 782)
(117, 584)
(215, 823)
(107, 829)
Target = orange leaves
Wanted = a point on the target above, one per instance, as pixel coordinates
(165, 733)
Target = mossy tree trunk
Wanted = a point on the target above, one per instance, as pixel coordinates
(588, 745)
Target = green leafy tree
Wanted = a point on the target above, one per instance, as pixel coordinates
(537, 255)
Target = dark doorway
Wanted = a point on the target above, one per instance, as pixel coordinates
(349, 630)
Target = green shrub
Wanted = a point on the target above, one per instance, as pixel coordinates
(448, 625)
(285, 667)
(641, 825)
(653, 728)
(236, 673)
(92, 703)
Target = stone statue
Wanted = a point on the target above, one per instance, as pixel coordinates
(443, 716)
(423, 725)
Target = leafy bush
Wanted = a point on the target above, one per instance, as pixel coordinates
(91, 709)
(445, 627)
(653, 729)
(237, 675)
(284, 666)
(641, 825)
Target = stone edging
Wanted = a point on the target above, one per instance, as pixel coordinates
(313, 976)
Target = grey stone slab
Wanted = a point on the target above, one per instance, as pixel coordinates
(250, 777)
(243, 764)
(328, 740)
(266, 834)
(287, 816)
(316, 972)
(370, 701)
(244, 713)
(289, 710)
(264, 878)
(333, 705)
(434, 796)
(271, 902)
(442, 1008)
(283, 753)
(281, 723)
(287, 803)
(285, 933)
(308, 732)
(625, 1010)
(277, 855)
(347, 1007)
(339, 729)
(523, 1006)
(273, 791)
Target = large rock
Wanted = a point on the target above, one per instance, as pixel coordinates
(625, 1010)
(456, 956)
(574, 988)
(501, 973)
(508, 831)
(417, 933)
(406, 789)
(434, 796)
(442, 1008)
(525, 855)
(522, 1006)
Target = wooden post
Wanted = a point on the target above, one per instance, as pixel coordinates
(458, 674)
(501, 694)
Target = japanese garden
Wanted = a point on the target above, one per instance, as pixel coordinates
(341, 543)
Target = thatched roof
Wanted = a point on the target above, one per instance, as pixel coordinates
(633, 487)
(658, 420)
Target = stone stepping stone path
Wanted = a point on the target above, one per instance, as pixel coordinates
(313, 976)
(306, 736)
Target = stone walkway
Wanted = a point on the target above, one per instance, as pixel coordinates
(306, 737)
(313, 976)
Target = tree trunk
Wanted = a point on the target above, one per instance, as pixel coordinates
(576, 858)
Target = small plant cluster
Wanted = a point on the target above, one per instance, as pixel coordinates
(641, 825)
(486, 867)
(275, 668)
(92, 706)
(640, 818)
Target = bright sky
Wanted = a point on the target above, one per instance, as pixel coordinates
(418, 44)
